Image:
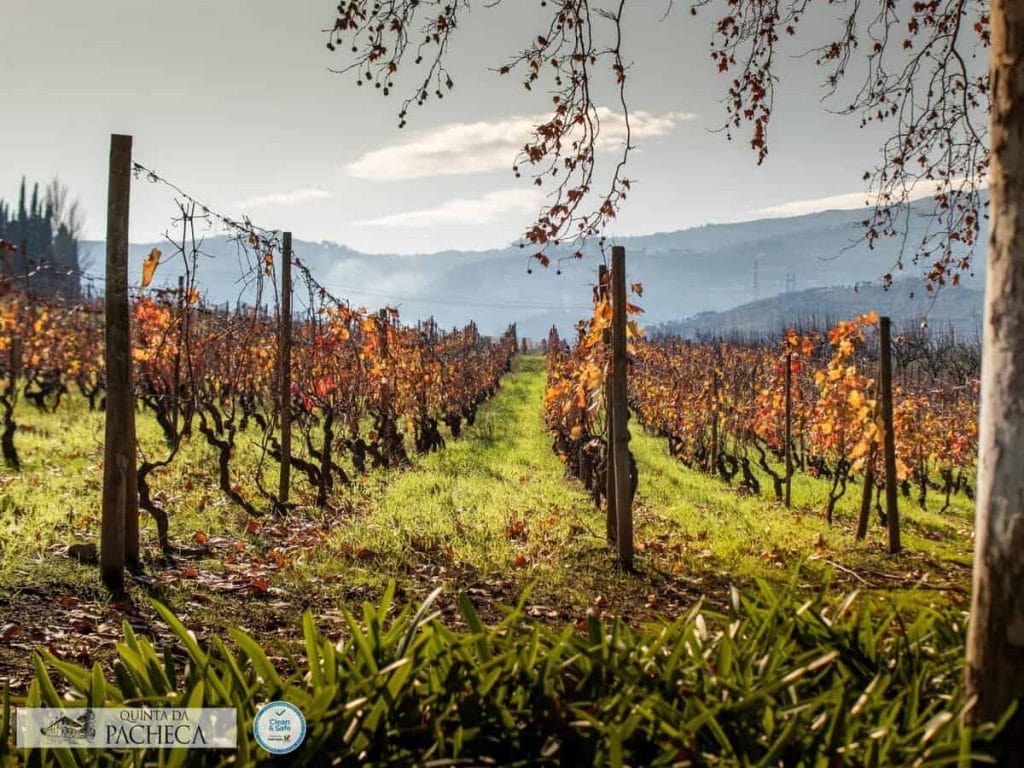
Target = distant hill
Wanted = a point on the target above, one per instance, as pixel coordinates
(703, 269)
(959, 309)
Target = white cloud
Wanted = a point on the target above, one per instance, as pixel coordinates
(489, 208)
(294, 197)
(850, 200)
(800, 207)
(461, 148)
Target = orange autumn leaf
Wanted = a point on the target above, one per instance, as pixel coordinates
(149, 267)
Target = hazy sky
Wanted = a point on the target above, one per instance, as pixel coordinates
(233, 101)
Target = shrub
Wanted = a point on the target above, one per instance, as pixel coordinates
(773, 681)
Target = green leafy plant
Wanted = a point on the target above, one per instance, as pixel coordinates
(772, 681)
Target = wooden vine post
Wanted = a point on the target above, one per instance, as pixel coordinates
(387, 392)
(714, 411)
(789, 429)
(285, 369)
(620, 413)
(175, 407)
(119, 526)
(611, 518)
(383, 322)
(889, 437)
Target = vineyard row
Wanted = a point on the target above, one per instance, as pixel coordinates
(363, 386)
(755, 414)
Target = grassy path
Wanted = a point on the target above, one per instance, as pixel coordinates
(495, 512)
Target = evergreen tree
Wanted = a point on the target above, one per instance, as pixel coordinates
(44, 234)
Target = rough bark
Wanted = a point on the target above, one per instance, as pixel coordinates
(225, 447)
(120, 509)
(995, 646)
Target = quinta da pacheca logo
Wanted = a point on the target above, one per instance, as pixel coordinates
(127, 728)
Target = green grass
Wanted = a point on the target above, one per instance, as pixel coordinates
(746, 536)
(497, 506)
(492, 514)
(464, 505)
(55, 499)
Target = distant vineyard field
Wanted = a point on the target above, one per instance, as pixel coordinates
(722, 406)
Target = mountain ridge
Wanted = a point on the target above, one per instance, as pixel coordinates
(956, 309)
(710, 268)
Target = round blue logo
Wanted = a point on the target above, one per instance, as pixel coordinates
(279, 727)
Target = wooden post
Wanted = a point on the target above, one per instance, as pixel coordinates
(789, 429)
(119, 527)
(889, 438)
(611, 518)
(714, 411)
(382, 317)
(14, 369)
(176, 401)
(386, 390)
(620, 412)
(187, 296)
(285, 368)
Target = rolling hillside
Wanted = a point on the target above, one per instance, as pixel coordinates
(959, 309)
(687, 272)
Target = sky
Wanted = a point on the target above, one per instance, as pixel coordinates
(234, 101)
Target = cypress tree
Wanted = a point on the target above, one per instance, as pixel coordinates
(46, 261)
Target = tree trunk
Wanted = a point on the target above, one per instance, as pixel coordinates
(995, 645)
